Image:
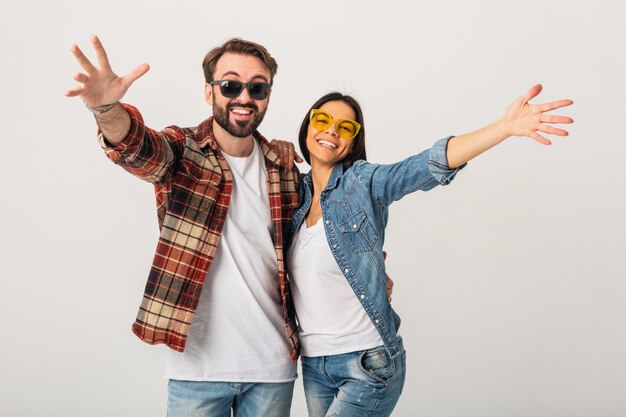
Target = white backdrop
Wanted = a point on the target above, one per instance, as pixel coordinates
(510, 282)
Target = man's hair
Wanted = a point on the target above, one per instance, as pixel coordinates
(358, 148)
(241, 47)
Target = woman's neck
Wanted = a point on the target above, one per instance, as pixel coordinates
(320, 173)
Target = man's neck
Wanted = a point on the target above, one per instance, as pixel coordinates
(231, 145)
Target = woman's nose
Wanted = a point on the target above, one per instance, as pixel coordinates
(332, 129)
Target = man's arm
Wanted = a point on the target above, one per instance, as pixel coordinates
(114, 124)
(100, 86)
(521, 119)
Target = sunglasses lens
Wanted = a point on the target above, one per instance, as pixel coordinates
(230, 89)
(321, 121)
(258, 91)
(346, 129)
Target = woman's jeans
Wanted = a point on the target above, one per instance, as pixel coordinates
(356, 384)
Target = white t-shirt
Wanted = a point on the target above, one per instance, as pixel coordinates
(237, 333)
(331, 319)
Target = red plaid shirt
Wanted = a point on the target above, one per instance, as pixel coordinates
(193, 187)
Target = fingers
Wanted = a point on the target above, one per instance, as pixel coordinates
(132, 76)
(556, 119)
(536, 136)
(82, 59)
(555, 105)
(80, 77)
(389, 288)
(103, 60)
(289, 154)
(74, 92)
(286, 152)
(531, 93)
(552, 130)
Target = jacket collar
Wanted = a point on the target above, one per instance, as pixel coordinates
(333, 181)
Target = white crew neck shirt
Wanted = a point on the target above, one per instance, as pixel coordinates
(237, 333)
(331, 320)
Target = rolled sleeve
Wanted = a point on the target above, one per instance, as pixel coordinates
(144, 152)
(438, 162)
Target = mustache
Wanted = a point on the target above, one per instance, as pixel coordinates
(252, 106)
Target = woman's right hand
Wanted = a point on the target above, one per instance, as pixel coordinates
(286, 152)
(100, 86)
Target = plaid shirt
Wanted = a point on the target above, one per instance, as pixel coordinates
(193, 187)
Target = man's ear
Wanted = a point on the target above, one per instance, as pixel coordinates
(208, 93)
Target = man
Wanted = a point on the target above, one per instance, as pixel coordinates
(216, 293)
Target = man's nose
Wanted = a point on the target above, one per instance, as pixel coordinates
(244, 97)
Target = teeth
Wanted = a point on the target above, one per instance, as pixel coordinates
(327, 143)
(242, 111)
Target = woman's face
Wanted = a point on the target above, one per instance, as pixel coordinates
(326, 147)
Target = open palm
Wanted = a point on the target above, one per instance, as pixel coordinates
(100, 85)
(525, 119)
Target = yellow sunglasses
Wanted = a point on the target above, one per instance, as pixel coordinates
(346, 128)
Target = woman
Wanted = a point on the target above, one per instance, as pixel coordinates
(353, 360)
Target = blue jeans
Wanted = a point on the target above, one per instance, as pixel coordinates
(216, 399)
(356, 384)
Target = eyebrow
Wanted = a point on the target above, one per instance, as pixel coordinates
(237, 75)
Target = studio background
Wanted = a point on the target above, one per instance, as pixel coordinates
(510, 282)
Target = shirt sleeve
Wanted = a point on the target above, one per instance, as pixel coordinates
(144, 152)
(421, 172)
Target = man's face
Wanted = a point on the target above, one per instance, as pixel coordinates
(239, 116)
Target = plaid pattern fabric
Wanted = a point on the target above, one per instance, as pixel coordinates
(193, 187)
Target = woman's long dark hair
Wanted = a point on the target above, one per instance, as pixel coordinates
(358, 148)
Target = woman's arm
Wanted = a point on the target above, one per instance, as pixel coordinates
(521, 119)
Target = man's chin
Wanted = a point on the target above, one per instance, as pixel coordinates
(242, 129)
(239, 131)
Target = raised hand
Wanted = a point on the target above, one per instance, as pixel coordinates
(100, 86)
(525, 119)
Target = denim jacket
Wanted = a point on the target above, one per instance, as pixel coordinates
(354, 213)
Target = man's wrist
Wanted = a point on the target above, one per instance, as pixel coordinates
(101, 109)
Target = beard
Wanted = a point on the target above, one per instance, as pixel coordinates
(240, 128)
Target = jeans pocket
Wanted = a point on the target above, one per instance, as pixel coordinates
(376, 364)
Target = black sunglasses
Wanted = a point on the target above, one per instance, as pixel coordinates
(232, 88)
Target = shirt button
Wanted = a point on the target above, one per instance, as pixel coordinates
(346, 270)
(335, 246)
(354, 226)
(362, 296)
(327, 221)
(377, 321)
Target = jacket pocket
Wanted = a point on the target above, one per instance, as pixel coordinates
(358, 231)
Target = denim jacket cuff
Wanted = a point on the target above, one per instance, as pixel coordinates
(438, 162)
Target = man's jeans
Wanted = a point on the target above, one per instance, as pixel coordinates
(216, 399)
(356, 384)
